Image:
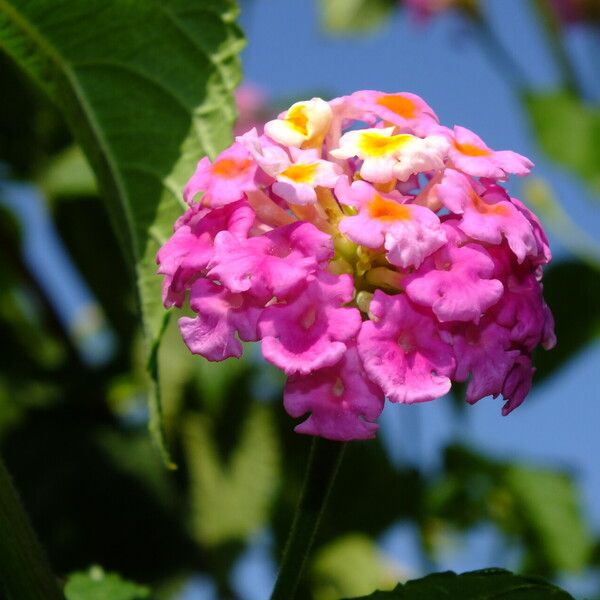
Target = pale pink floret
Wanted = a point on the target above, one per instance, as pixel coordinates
(517, 384)
(297, 182)
(456, 281)
(223, 181)
(187, 254)
(312, 329)
(342, 401)
(488, 214)
(221, 315)
(469, 153)
(402, 350)
(484, 353)
(272, 264)
(408, 232)
(387, 155)
(296, 173)
(406, 110)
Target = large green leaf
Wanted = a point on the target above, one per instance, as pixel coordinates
(146, 87)
(98, 585)
(487, 584)
(568, 131)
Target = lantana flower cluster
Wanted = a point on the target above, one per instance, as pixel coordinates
(374, 254)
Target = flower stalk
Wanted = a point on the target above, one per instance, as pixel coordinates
(323, 464)
(24, 571)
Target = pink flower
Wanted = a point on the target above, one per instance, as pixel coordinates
(409, 232)
(456, 282)
(310, 331)
(402, 351)
(403, 109)
(484, 353)
(221, 314)
(272, 264)
(186, 256)
(342, 401)
(517, 384)
(488, 214)
(469, 153)
(370, 262)
(225, 180)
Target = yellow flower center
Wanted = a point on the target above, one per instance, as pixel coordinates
(300, 173)
(298, 119)
(374, 144)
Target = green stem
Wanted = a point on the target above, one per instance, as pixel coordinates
(24, 572)
(323, 463)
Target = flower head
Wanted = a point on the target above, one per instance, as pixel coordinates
(373, 253)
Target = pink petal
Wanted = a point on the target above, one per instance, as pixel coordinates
(342, 401)
(402, 351)
(310, 331)
(221, 315)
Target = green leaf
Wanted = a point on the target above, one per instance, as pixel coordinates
(232, 499)
(351, 16)
(68, 174)
(98, 585)
(475, 488)
(351, 564)
(549, 505)
(146, 87)
(568, 132)
(486, 584)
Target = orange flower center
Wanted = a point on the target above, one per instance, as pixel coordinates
(230, 168)
(388, 210)
(471, 150)
(400, 105)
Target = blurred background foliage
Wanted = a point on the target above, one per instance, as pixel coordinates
(74, 396)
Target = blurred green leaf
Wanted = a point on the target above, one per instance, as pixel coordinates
(98, 585)
(540, 507)
(68, 174)
(141, 123)
(568, 131)
(549, 506)
(352, 564)
(572, 291)
(486, 584)
(231, 500)
(352, 16)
